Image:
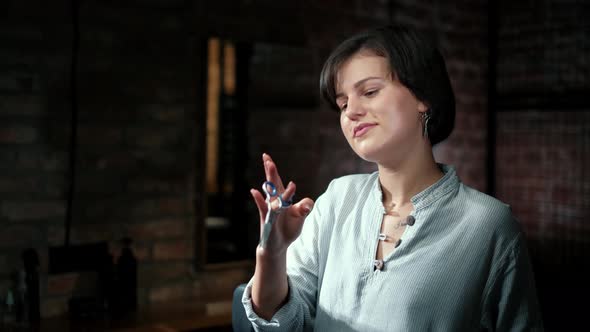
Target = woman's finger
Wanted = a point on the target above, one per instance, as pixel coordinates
(260, 204)
(272, 173)
(287, 195)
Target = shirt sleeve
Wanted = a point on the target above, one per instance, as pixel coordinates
(288, 318)
(298, 313)
(511, 302)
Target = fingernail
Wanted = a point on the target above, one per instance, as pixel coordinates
(307, 209)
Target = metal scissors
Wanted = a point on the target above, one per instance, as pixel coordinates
(270, 190)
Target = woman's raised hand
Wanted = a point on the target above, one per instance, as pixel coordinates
(289, 223)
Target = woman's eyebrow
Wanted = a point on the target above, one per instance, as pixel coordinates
(357, 84)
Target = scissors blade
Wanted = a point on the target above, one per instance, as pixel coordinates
(265, 234)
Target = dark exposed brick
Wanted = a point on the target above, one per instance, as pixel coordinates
(32, 210)
(18, 135)
(175, 291)
(172, 250)
(157, 229)
(162, 273)
(21, 105)
(138, 151)
(21, 236)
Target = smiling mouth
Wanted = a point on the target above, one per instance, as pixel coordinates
(362, 129)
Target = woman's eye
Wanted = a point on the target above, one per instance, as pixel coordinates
(371, 93)
(343, 107)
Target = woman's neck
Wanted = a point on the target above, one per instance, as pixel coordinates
(406, 179)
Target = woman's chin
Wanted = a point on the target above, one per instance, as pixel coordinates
(370, 156)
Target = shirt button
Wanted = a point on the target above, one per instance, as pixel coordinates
(378, 264)
(398, 243)
(410, 220)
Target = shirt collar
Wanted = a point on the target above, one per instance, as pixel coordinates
(444, 185)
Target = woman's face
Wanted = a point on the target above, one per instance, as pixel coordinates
(379, 116)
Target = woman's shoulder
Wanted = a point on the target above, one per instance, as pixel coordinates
(353, 182)
(483, 202)
(487, 212)
(349, 188)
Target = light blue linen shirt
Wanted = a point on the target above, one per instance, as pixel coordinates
(463, 265)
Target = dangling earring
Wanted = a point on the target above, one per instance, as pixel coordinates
(425, 119)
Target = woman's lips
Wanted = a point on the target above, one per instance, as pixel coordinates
(362, 129)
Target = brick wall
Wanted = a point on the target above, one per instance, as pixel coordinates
(140, 103)
(543, 132)
(135, 160)
(461, 30)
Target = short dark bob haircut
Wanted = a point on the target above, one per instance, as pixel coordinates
(413, 60)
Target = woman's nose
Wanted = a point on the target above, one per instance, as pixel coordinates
(354, 109)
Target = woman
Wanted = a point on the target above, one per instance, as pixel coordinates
(406, 248)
